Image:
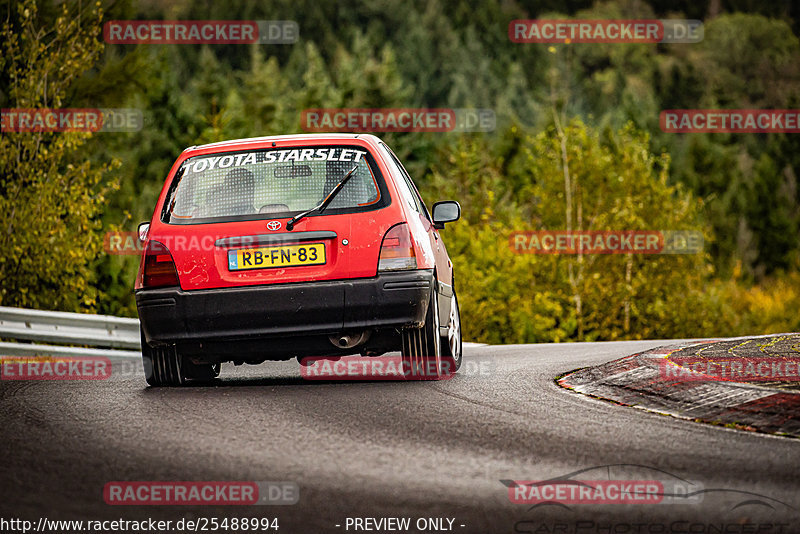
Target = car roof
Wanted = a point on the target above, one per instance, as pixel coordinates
(293, 139)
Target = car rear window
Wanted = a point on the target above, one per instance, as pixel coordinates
(277, 182)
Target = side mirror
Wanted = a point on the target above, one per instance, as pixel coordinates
(444, 212)
(143, 230)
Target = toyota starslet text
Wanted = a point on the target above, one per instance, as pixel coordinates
(293, 246)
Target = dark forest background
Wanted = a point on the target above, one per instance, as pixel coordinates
(597, 103)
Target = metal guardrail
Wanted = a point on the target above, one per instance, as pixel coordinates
(39, 326)
(105, 331)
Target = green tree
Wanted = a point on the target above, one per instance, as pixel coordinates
(51, 194)
(569, 178)
(583, 179)
(501, 295)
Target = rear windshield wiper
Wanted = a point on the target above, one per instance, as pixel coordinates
(324, 204)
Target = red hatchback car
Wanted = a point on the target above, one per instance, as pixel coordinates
(282, 247)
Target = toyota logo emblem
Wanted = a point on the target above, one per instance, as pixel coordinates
(274, 225)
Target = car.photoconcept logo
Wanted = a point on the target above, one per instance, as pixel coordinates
(634, 484)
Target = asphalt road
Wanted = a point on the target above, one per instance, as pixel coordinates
(387, 449)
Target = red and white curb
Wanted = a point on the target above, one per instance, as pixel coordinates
(637, 381)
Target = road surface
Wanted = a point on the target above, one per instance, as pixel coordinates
(388, 449)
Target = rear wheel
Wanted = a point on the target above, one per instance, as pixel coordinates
(421, 350)
(452, 346)
(164, 366)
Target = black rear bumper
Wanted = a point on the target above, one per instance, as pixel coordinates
(287, 318)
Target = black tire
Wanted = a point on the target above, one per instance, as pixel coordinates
(452, 344)
(164, 366)
(421, 350)
(161, 365)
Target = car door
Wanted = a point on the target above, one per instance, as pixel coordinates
(444, 268)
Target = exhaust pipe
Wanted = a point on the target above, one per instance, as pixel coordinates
(349, 340)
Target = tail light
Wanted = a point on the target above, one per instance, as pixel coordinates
(397, 250)
(159, 267)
